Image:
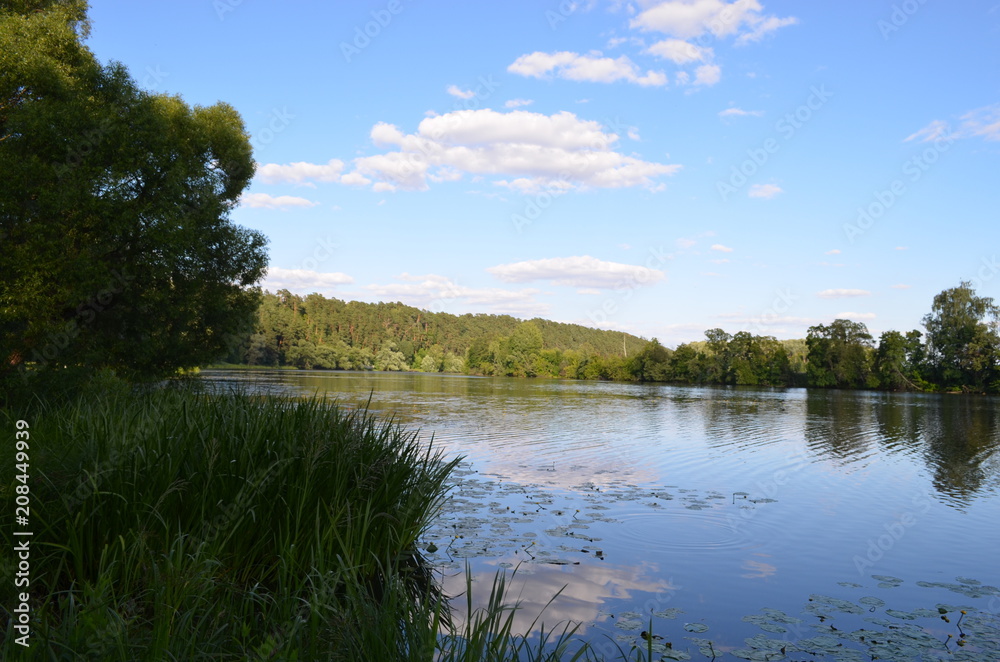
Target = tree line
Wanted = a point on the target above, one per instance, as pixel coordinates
(958, 350)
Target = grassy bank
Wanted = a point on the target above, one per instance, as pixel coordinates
(177, 525)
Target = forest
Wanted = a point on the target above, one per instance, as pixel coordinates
(959, 349)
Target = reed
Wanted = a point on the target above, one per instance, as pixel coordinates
(174, 524)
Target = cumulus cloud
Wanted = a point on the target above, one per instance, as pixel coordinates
(303, 281)
(901, 287)
(688, 19)
(835, 251)
(856, 316)
(435, 292)
(456, 91)
(265, 201)
(842, 293)
(707, 74)
(684, 21)
(273, 173)
(766, 191)
(527, 151)
(739, 112)
(591, 68)
(679, 51)
(720, 247)
(578, 271)
(518, 103)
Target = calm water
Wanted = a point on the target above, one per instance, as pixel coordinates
(687, 507)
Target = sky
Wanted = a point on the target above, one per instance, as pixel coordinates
(660, 168)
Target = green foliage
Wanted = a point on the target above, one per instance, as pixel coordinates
(114, 211)
(148, 498)
(840, 355)
(962, 340)
(315, 332)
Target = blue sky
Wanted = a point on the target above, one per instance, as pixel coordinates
(656, 167)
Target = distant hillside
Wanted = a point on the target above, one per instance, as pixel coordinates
(316, 332)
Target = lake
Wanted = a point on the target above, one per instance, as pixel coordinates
(735, 522)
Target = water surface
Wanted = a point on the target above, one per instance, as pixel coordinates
(678, 508)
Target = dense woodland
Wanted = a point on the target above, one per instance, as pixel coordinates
(958, 350)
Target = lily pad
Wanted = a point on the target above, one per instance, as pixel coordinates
(670, 612)
(696, 627)
(902, 615)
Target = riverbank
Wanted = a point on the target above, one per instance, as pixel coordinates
(178, 525)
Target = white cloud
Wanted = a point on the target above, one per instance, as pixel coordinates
(761, 29)
(979, 123)
(685, 243)
(983, 122)
(707, 74)
(578, 271)
(456, 91)
(856, 316)
(590, 68)
(842, 293)
(558, 152)
(902, 248)
(722, 261)
(739, 112)
(766, 191)
(355, 179)
(273, 173)
(901, 287)
(687, 19)
(303, 281)
(679, 51)
(589, 290)
(517, 103)
(835, 251)
(265, 201)
(931, 132)
(720, 247)
(436, 292)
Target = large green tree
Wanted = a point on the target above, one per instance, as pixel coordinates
(117, 246)
(840, 355)
(962, 341)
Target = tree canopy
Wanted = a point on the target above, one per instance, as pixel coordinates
(114, 210)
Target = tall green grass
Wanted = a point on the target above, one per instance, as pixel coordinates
(171, 524)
